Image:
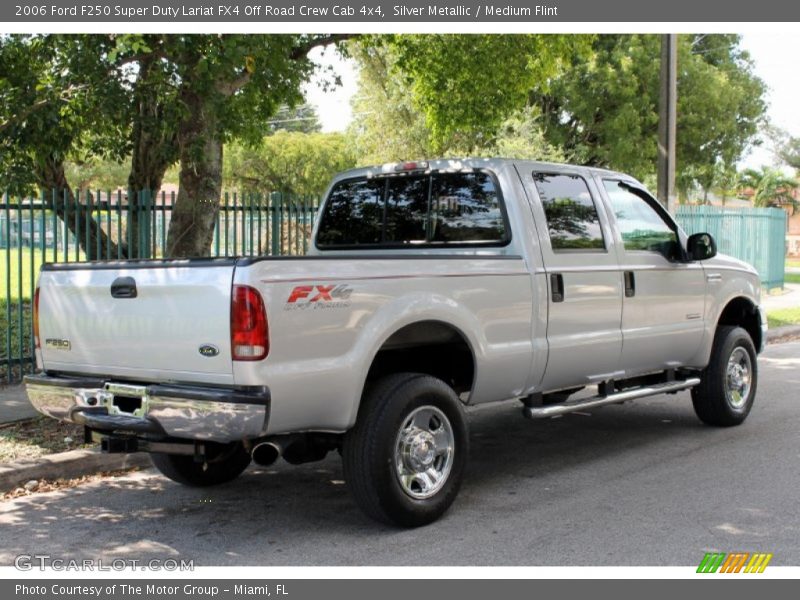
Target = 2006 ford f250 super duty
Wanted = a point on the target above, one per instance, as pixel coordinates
(430, 286)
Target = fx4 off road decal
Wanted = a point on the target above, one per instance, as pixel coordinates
(319, 297)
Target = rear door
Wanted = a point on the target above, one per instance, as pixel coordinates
(583, 278)
(664, 299)
(165, 322)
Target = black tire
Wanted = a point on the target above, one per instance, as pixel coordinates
(713, 401)
(370, 452)
(225, 462)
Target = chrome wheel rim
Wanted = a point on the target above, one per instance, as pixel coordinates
(738, 377)
(423, 455)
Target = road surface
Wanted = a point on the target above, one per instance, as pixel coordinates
(643, 483)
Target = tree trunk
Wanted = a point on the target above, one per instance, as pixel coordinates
(191, 229)
(154, 150)
(75, 215)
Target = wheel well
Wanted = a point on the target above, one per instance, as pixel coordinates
(742, 312)
(431, 347)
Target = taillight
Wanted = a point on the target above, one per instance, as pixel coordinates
(249, 329)
(36, 317)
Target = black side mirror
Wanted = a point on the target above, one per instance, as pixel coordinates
(701, 246)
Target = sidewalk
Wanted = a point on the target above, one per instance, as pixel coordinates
(14, 405)
(790, 298)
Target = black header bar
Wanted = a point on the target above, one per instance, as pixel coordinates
(397, 11)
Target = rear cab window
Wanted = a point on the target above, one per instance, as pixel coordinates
(572, 220)
(430, 209)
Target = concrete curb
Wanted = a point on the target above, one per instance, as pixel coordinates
(66, 465)
(782, 332)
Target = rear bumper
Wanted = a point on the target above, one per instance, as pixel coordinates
(161, 410)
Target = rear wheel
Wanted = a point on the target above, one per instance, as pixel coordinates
(404, 459)
(224, 463)
(728, 386)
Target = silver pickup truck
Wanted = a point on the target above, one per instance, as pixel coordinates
(431, 287)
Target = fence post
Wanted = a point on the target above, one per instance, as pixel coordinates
(275, 234)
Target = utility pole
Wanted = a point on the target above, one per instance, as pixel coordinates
(667, 116)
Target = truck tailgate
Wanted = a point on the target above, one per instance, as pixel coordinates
(175, 326)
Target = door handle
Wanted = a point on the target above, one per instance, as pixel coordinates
(630, 284)
(557, 287)
(124, 287)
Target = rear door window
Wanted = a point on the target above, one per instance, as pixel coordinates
(572, 220)
(435, 209)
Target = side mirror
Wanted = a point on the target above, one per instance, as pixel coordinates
(701, 246)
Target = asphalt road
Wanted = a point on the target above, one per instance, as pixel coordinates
(644, 483)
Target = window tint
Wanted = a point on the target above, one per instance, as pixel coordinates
(434, 209)
(571, 213)
(354, 212)
(406, 209)
(641, 226)
(465, 208)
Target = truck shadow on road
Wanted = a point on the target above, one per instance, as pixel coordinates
(304, 515)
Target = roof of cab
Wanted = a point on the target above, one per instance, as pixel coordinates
(456, 164)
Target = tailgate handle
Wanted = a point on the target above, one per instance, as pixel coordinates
(124, 287)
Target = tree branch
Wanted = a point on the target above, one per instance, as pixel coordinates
(21, 116)
(303, 49)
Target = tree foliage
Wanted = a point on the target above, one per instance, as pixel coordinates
(296, 163)
(302, 118)
(767, 187)
(156, 98)
(786, 147)
(423, 96)
(50, 110)
(585, 99)
(467, 85)
(604, 111)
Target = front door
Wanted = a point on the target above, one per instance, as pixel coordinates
(584, 282)
(664, 299)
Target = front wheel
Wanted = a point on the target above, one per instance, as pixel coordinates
(404, 459)
(224, 463)
(728, 385)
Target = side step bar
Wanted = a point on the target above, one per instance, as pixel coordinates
(553, 410)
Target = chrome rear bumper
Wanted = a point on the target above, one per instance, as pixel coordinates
(179, 411)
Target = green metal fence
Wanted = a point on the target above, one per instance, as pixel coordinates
(47, 229)
(58, 227)
(754, 235)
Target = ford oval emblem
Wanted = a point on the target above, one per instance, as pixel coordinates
(208, 350)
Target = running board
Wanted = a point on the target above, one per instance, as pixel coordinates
(554, 410)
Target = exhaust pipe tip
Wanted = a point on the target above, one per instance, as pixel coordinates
(266, 453)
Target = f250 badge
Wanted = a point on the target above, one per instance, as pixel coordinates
(319, 297)
(56, 344)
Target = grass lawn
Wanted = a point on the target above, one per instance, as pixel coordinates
(784, 316)
(37, 437)
(22, 283)
(10, 331)
(793, 262)
(791, 278)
